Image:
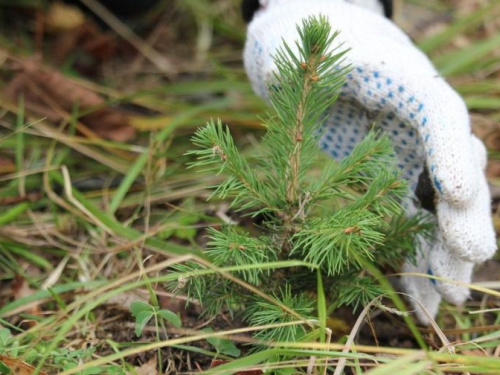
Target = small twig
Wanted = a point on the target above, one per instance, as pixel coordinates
(54, 276)
(342, 361)
(311, 365)
(302, 206)
(151, 40)
(69, 194)
(444, 340)
(221, 214)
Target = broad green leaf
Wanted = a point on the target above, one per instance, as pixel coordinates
(138, 306)
(142, 318)
(185, 233)
(222, 345)
(170, 317)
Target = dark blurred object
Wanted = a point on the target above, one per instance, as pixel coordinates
(248, 8)
(388, 8)
(122, 8)
(425, 191)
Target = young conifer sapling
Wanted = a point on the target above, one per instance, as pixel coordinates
(336, 216)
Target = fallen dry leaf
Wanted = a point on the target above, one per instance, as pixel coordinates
(50, 94)
(148, 368)
(88, 37)
(21, 289)
(18, 367)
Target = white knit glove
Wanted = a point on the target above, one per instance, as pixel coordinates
(394, 86)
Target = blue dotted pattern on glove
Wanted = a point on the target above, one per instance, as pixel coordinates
(430, 273)
(370, 99)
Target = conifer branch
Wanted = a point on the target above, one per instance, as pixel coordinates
(218, 153)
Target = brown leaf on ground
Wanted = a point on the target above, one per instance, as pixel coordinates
(88, 37)
(48, 93)
(21, 289)
(6, 165)
(148, 368)
(18, 367)
(74, 31)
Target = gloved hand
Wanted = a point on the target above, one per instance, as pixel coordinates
(394, 86)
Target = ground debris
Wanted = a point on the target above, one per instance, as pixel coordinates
(148, 368)
(49, 94)
(21, 289)
(18, 367)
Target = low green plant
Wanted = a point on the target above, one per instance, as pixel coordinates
(337, 216)
(143, 312)
(62, 358)
(222, 345)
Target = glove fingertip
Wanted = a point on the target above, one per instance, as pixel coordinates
(474, 249)
(422, 296)
(468, 232)
(453, 293)
(454, 274)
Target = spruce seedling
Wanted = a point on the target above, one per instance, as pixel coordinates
(339, 219)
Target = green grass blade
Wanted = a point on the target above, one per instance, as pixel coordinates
(27, 254)
(13, 213)
(322, 315)
(463, 25)
(397, 301)
(129, 233)
(42, 294)
(139, 164)
(408, 365)
(460, 61)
